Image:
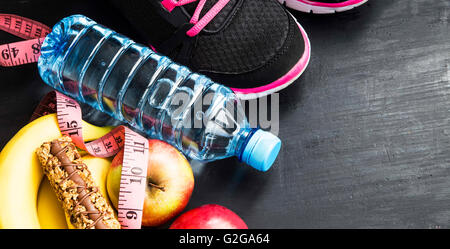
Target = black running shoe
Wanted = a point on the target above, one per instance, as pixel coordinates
(254, 47)
(322, 6)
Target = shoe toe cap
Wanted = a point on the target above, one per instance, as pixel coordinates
(268, 45)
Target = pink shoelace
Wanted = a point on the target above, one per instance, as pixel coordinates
(198, 24)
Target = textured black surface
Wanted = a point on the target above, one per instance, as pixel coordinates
(365, 130)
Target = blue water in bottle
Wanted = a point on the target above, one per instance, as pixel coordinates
(167, 101)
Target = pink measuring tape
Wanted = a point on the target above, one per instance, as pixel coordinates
(23, 52)
(136, 147)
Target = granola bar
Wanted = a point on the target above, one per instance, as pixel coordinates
(73, 184)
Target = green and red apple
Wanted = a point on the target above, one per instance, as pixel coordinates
(170, 182)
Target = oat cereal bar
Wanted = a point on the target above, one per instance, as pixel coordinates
(74, 186)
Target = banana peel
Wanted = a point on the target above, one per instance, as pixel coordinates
(21, 174)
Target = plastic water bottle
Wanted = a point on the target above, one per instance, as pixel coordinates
(132, 83)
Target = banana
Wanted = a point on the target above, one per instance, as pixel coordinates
(21, 174)
(50, 213)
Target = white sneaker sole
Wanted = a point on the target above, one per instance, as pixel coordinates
(308, 8)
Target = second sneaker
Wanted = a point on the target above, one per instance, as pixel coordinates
(322, 6)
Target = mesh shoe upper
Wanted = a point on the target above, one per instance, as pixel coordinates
(249, 43)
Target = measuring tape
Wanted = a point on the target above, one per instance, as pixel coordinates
(23, 52)
(135, 147)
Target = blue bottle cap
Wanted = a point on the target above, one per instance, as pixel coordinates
(261, 150)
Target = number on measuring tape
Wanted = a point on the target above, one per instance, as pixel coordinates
(20, 53)
(133, 180)
(23, 52)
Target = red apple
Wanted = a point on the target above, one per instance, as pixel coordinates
(209, 216)
(170, 183)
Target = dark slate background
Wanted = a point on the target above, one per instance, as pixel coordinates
(365, 130)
